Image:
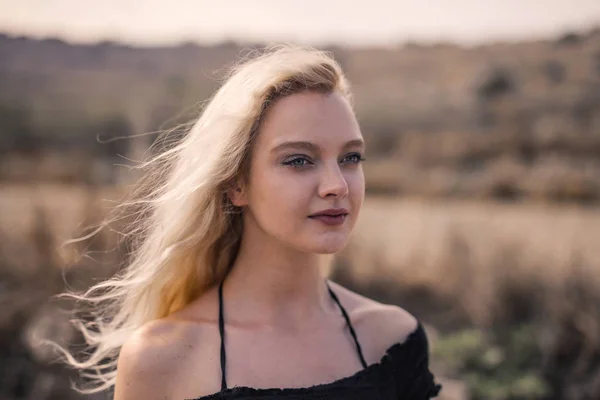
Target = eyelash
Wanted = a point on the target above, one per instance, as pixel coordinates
(290, 162)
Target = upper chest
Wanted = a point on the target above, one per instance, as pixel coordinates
(273, 360)
(262, 359)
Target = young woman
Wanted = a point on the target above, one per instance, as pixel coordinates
(225, 296)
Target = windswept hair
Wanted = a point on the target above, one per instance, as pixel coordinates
(184, 232)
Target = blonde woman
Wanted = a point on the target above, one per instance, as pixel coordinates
(225, 295)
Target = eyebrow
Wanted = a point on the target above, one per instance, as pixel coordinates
(313, 147)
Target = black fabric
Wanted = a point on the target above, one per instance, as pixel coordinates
(401, 374)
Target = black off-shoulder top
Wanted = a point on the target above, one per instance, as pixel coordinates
(401, 374)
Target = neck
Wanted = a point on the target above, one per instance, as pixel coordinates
(275, 286)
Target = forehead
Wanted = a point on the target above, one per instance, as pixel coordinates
(325, 119)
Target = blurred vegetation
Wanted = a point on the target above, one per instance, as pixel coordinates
(31, 271)
(504, 121)
(512, 292)
(503, 367)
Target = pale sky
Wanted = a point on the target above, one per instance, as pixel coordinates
(361, 22)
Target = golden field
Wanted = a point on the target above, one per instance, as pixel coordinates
(456, 265)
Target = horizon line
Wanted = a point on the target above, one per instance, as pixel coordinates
(400, 42)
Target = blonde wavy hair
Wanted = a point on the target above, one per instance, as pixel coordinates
(184, 233)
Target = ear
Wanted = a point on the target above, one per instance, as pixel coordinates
(237, 195)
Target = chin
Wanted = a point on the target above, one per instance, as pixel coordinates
(329, 250)
(328, 245)
(317, 243)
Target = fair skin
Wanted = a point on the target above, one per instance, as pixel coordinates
(283, 329)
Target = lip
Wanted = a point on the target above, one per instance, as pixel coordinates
(330, 219)
(330, 212)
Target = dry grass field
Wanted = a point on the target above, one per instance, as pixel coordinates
(413, 240)
(462, 250)
(470, 250)
(454, 264)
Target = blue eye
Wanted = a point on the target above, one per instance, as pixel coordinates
(303, 162)
(297, 162)
(356, 158)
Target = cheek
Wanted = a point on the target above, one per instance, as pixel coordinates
(277, 194)
(356, 186)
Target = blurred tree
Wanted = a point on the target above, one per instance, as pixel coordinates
(569, 39)
(554, 71)
(16, 132)
(113, 133)
(499, 82)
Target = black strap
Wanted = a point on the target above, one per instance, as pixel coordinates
(222, 332)
(352, 332)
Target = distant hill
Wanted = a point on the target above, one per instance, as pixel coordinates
(430, 88)
(60, 95)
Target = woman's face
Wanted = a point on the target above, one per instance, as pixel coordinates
(306, 159)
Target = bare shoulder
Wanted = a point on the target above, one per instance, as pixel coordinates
(148, 361)
(159, 360)
(378, 326)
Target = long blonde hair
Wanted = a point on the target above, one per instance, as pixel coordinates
(185, 233)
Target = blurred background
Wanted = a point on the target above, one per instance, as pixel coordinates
(482, 122)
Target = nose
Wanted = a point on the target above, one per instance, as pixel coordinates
(333, 183)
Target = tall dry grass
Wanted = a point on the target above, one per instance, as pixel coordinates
(506, 270)
(454, 264)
